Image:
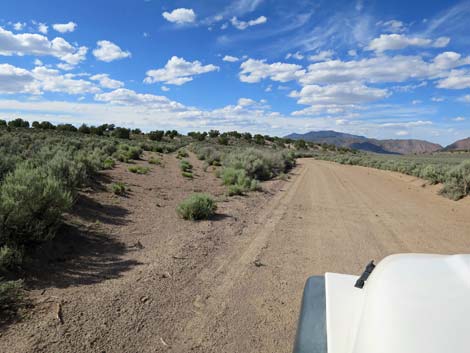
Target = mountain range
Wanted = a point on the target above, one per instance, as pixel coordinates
(390, 146)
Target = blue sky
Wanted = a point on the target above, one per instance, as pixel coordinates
(382, 69)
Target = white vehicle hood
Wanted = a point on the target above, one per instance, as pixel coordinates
(411, 303)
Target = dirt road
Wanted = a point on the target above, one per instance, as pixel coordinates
(331, 218)
(196, 287)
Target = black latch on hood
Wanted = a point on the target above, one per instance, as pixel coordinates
(365, 275)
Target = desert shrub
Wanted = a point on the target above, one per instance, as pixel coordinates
(10, 259)
(92, 161)
(188, 175)
(84, 129)
(233, 190)
(125, 153)
(255, 185)
(457, 184)
(223, 140)
(10, 295)
(156, 161)
(3, 123)
(432, 173)
(197, 207)
(156, 135)
(109, 163)
(138, 169)
(7, 164)
(66, 127)
(119, 188)
(182, 153)
(214, 133)
(18, 123)
(31, 206)
(300, 145)
(71, 173)
(232, 176)
(259, 139)
(258, 164)
(122, 133)
(199, 136)
(209, 154)
(171, 134)
(237, 181)
(185, 166)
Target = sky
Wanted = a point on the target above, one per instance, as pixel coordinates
(383, 69)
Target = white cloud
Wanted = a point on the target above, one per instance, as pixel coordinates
(39, 45)
(128, 97)
(64, 27)
(437, 99)
(41, 79)
(399, 41)
(14, 79)
(108, 51)
(407, 124)
(402, 133)
(383, 69)
(106, 82)
(230, 59)
(352, 52)
(393, 26)
(43, 28)
(242, 25)
(416, 101)
(164, 88)
(19, 26)
(178, 71)
(459, 118)
(51, 80)
(457, 79)
(339, 94)
(441, 42)
(245, 102)
(322, 56)
(296, 55)
(464, 99)
(180, 16)
(256, 70)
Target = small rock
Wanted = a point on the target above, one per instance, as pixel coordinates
(144, 299)
(258, 263)
(166, 275)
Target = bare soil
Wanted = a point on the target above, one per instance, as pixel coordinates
(126, 275)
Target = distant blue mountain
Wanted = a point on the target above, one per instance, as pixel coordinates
(393, 146)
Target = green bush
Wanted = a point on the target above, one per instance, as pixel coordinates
(233, 190)
(457, 183)
(182, 154)
(222, 140)
(119, 188)
(232, 176)
(109, 163)
(10, 295)
(258, 164)
(156, 161)
(209, 154)
(10, 259)
(138, 169)
(156, 135)
(188, 175)
(31, 206)
(185, 166)
(197, 207)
